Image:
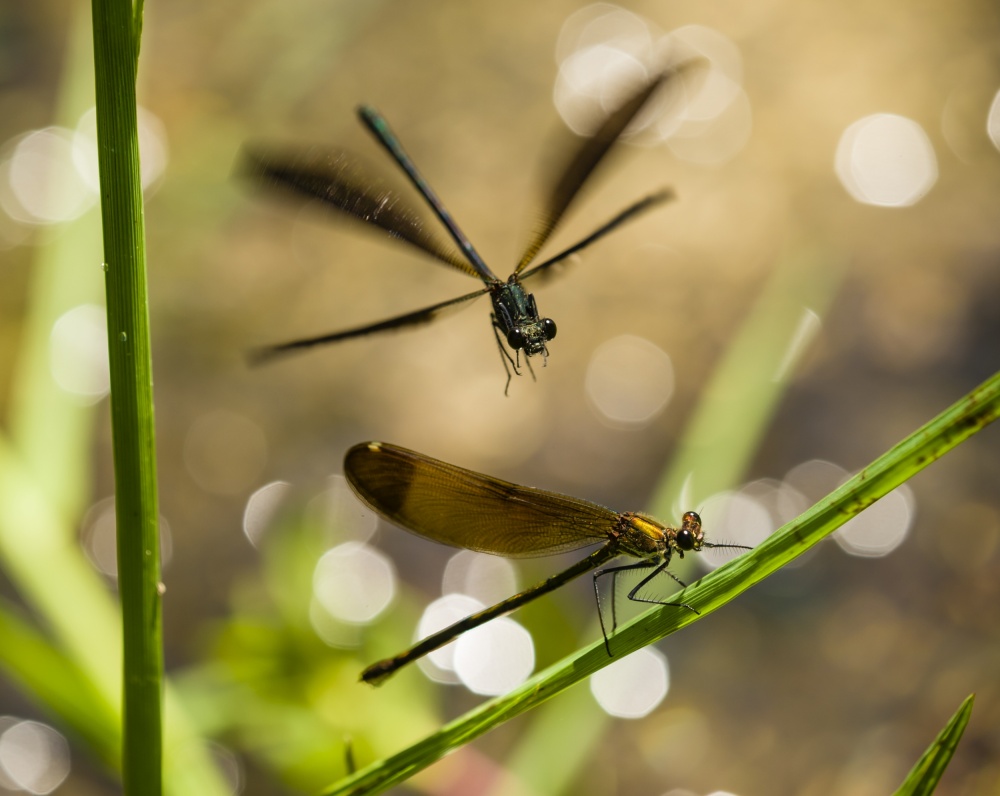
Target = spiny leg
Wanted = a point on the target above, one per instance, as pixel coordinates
(531, 370)
(613, 571)
(505, 356)
(661, 568)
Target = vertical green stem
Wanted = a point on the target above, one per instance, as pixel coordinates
(116, 48)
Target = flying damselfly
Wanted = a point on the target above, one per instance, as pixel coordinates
(339, 181)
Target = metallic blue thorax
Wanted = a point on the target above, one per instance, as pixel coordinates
(515, 316)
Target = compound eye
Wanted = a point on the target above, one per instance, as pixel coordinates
(515, 339)
(684, 539)
(691, 518)
(548, 328)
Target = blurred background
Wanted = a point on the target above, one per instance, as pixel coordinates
(833, 246)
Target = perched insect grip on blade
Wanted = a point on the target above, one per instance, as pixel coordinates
(462, 508)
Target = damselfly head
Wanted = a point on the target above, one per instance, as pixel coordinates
(689, 536)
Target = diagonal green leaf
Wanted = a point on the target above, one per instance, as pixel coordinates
(925, 775)
(737, 405)
(55, 680)
(718, 443)
(963, 419)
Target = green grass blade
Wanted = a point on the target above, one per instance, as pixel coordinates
(51, 430)
(713, 455)
(48, 567)
(49, 676)
(736, 409)
(927, 444)
(116, 49)
(574, 725)
(925, 775)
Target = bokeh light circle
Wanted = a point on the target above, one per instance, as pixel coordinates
(880, 528)
(354, 582)
(633, 686)
(494, 658)
(337, 510)
(886, 160)
(993, 121)
(98, 538)
(43, 186)
(439, 665)
(732, 518)
(261, 508)
(153, 154)
(483, 577)
(78, 353)
(33, 757)
(629, 380)
(606, 52)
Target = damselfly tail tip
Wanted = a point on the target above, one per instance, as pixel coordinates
(377, 673)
